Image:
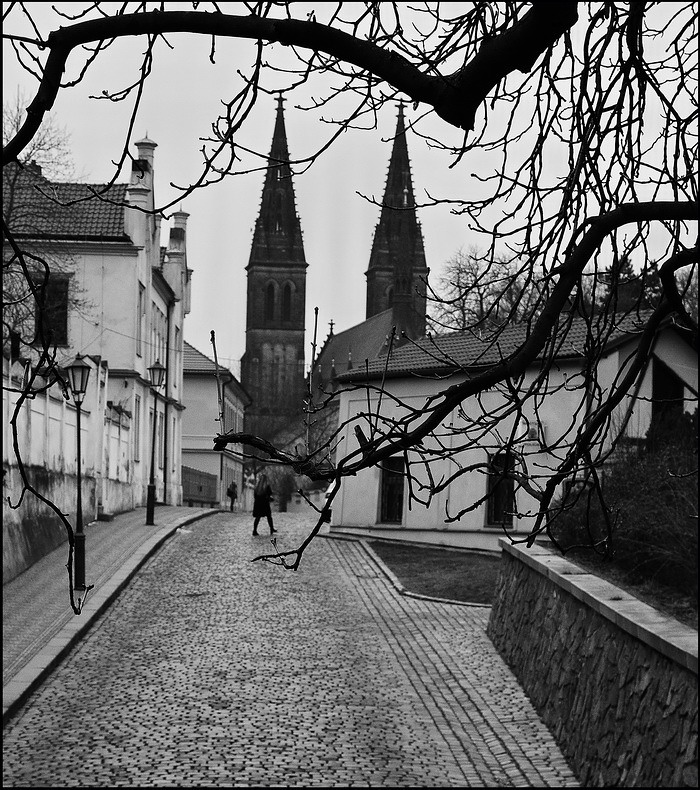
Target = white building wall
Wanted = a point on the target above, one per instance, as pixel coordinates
(199, 426)
(559, 412)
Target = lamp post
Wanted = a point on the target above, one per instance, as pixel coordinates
(78, 375)
(156, 373)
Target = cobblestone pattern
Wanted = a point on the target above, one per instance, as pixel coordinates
(625, 715)
(29, 622)
(210, 670)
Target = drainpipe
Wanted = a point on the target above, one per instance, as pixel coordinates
(166, 400)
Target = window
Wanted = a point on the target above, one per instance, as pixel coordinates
(52, 320)
(137, 427)
(160, 440)
(153, 448)
(287, 302)
(178, 344)
(159, 328)
(667, 394)
(270, 302)
(278, 212)
(140, 315)
(501, 489)
(391, 505)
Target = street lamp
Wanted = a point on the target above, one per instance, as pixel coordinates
(78, 374)
(156, 373)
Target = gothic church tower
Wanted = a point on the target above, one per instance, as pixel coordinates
(272, 368)
(397, 270)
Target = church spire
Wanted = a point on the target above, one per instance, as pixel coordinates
(272, 368)
(398, 192)
(397, 261)
(277, 237)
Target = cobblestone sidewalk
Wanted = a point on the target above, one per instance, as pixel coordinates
(212, 670)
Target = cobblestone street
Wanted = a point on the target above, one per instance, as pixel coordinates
(211, 670)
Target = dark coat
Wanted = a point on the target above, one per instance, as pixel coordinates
(261, 504)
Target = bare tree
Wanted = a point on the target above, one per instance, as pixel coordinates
(28, 317)
(49, 149)
(475, 292)
(575, 120)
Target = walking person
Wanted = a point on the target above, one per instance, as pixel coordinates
(232, 493)
(262, 494)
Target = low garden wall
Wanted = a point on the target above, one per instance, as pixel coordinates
(33, 530)
(614, 680)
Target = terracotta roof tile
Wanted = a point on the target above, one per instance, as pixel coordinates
(467, 350)
(193, 361)
(38, 208)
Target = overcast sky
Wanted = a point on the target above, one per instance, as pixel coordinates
(181, 99)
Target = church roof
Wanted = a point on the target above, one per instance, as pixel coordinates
(464, 350)
(365, 341)
(41, 209)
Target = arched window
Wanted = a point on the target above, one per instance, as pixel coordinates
(501, 489)
(389, 297)
(270, 302)
(287, 302)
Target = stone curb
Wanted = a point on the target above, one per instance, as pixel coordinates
(33, 674)
(400, 589)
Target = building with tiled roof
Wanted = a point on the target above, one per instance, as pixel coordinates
(208, 473)
(40, 209)
(482, 447)
(118, 298)
(473, 350)
(345, 351)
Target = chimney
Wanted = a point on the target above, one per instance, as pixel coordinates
(175, 265)
(140, 227)
(178, 232)
(142, 167)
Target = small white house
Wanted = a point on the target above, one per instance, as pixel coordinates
(475, 503)
(206, 472)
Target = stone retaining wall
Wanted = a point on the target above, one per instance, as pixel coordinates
(614, 680)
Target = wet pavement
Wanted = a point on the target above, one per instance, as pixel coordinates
(211, 670)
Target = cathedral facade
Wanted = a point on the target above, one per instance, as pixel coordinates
(273, 366)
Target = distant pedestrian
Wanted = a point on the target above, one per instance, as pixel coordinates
(262, 494)
(232, 493)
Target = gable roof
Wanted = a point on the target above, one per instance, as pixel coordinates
(37, 208)
(196, 363)
(468, 350)
(364, 341)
